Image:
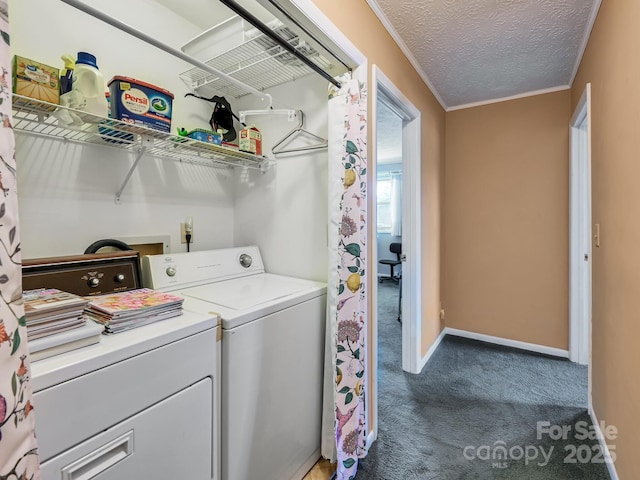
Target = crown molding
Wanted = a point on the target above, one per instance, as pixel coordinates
(512, 97)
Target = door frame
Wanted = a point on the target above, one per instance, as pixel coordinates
(383, 89)
(580, 278)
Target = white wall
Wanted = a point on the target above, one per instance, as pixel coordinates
(66, 198)
(66, 192)
(284, 211)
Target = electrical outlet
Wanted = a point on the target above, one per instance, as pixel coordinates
(183, 234)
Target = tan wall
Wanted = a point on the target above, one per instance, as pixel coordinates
(356, 20)
(506, 219)
(612, 65)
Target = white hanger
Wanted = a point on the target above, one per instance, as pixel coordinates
(280, 146)
(291, 114)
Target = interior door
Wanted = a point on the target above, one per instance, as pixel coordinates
(580, 228)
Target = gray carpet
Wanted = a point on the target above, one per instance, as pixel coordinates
(471, 395)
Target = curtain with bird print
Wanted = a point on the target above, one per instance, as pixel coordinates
(18, 453)
(349, 279)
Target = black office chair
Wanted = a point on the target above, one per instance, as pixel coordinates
(397, 249)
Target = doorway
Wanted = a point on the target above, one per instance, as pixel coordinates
(388, 226)
(580, 233)
(386, 94)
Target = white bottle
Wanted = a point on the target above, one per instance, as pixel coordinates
(88, 84)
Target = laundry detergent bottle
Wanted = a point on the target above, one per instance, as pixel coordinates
(88, 83)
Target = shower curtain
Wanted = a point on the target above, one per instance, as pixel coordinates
(18, 453)
(345, 416)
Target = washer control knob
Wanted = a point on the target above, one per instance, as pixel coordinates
(171, 271)
(119, 278)
(246, 260)
(93, 282)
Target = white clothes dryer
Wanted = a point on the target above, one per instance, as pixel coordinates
(139, 404)
(143, 404)
(272, 356)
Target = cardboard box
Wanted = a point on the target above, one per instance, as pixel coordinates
(250, 141)
(36, 80)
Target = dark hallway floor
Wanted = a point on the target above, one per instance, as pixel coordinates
(478, 412)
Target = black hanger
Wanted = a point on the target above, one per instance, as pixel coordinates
(222, 116)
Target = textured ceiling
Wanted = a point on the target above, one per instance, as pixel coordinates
(475, 51)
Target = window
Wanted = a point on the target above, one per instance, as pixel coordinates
(389, 198)
(384, 205)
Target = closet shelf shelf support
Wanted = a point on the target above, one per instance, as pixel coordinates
(139, 155)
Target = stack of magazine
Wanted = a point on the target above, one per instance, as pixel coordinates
(55, 322)
(49, 311)
(125, 310)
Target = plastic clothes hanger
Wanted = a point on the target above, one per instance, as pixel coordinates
(222, 116)
(281, 146)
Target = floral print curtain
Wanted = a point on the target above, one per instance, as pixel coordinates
(348, 310)
(18, 453)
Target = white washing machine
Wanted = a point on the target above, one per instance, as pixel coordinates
(272, 356)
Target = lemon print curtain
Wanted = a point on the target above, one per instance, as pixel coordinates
(18, 454)
(347, 312)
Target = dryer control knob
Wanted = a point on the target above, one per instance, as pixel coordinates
(93, 282)
(171, 271)
(246, 260)
(119, 277)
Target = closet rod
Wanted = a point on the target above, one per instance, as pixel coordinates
(166, 48)
(249, 17)
(298, 24)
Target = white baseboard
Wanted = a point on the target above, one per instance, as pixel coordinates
(432, 349)
(531, 347)
(370, 439)
(603, 443)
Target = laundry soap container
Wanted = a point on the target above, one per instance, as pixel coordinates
(35, 80)
(140, 103)
(114, 135)
(250, 140)
(88, 86)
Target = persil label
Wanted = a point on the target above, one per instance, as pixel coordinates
(136, 101)
(140, 103)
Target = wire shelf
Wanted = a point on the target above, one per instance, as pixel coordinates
(259, 62)
(38, 118)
